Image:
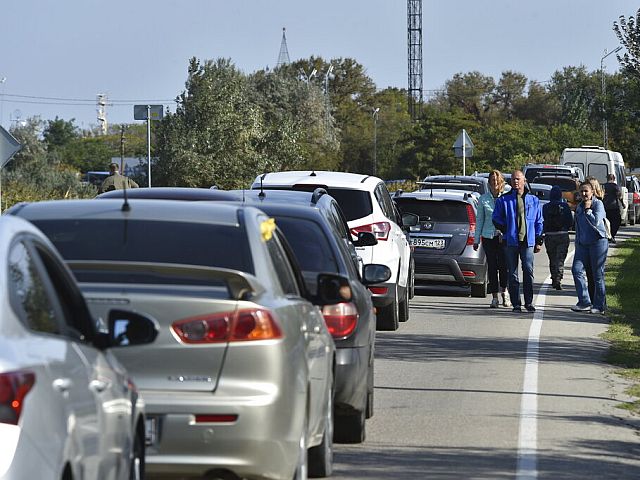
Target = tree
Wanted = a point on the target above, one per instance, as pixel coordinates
(508, 92)
(628, 32)
(576, 91)
(471, 92)
(59, 133)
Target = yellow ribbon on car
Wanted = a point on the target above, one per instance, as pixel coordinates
(266, 229)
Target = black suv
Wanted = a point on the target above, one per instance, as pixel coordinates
(443, 239)
(317, 232)
(533, 170)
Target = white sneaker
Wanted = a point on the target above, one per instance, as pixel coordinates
(505, 300)
(578, 308)
(596, 311)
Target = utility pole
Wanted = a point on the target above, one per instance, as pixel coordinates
(101, 107)
(122, 129)
(605, 132)
(376, 112)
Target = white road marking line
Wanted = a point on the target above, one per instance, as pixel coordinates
(527, 467)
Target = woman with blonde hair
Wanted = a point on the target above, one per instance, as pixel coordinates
(491, 239)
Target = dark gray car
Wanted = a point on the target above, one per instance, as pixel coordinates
(443, 239)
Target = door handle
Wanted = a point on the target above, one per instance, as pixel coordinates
(316, 329)
(62, 384)
(98, 386)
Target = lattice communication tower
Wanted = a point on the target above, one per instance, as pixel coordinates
(414, 43)
(283, 56)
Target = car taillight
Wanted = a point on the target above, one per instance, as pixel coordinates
(237, 326)
(379, 229)
(341, 319)
(379, 290)
(636, 197)
(471, 215)
(14, 387)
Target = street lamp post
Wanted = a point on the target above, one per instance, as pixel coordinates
(605, 133)
(308, 77)
(376, 112)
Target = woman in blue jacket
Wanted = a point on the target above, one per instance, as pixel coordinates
(591, 250)
(491, 239)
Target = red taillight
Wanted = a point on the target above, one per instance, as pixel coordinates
(468, 273)
(219, 418)
(237, 326)
(379, 229)
(14, 387)
(471, 215)
(379, 290)
(341, 319)
(636, 197)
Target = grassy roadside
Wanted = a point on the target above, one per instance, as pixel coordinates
(623, 302)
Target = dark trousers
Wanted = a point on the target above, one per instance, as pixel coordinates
(613, 215)
(496, 264)
(557, 247)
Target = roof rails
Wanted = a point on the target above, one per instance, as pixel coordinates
(365, 179)
(317, 193)
(595, 147)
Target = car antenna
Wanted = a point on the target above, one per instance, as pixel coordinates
(262, 194)
(313, 173)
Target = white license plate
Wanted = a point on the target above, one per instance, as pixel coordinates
(437, 243)
(151, 430)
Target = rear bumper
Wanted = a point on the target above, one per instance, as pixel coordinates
(449, 269)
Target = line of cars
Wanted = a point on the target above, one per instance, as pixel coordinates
(246, 327)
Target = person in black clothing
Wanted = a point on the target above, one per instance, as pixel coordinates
(612, 202)
(557, 222)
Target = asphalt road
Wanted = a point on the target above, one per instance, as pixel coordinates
(463, 391)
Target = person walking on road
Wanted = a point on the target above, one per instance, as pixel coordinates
(591, 249)
(518, 216)
(612, 203)
(491, 239)
(115, 181)
(557, 222)
(598, 193)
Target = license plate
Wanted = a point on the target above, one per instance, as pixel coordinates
(151, 430)
(437, 243)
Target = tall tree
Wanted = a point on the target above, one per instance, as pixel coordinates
(508, 92)
(471, 92)
(59, 133)
(628, 32)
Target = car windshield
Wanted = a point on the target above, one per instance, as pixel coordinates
(532, 173)
(184, 243)
(566, 184)
(436, 210)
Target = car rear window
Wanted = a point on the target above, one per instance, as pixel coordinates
(309, 243)
(199, 244)
(565, 184)
(453, 185)
(532, 173)
(436, 210)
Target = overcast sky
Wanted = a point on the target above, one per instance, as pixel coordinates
(137, 50)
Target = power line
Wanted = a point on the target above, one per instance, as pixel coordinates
(11, 97)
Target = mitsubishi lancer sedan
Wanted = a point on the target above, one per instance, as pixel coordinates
(240, 379)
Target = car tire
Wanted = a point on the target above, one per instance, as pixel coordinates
(403, 309)
(320, 458)
(350, 428)
(479, 290)
(301, 472)
(387, 317)
(370, 390)
(136, 469)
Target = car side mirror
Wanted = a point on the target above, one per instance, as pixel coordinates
(374, 273)
(410, 219)
(129, 328)
(365, 239)
(332, 289)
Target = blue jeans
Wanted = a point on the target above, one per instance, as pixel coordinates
(525, 254)
(594, 255)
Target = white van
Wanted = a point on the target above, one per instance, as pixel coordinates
(598, 162)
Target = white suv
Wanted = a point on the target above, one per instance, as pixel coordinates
(368, 207)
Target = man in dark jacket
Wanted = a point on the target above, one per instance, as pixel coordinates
(557, 223)
(612, 200)
(519, 217)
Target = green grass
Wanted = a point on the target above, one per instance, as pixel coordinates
(623, 302)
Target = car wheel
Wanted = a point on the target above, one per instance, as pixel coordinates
(387, 317)
(479, 290)
(350, 428)
(403, 309)
(369, 412)
(302, 466)
(136, 469)
(321, 456)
